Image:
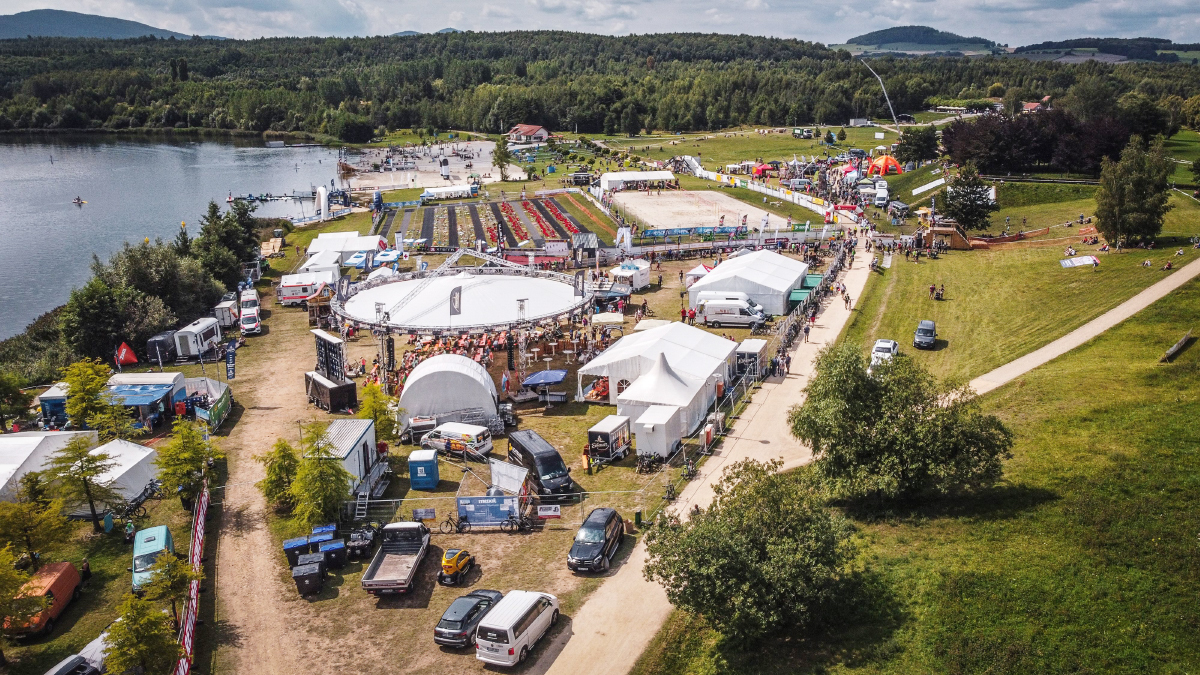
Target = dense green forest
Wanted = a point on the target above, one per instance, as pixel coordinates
(489, 81)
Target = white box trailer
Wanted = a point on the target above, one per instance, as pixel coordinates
(294, 288)
(197, 337)
(226, 313)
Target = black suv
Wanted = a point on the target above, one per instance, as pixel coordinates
(926, 335)
(458, 624)
(597, 541)
(547, 468)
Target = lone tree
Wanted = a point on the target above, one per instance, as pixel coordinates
(968, 200)
(85, 381)
(13, 401)
(280, 465)
(78, 473)
(382, 410)
(1134, 195)
(14, 609)
(764, 557)
(502, 158)
(113, 421)
(322, 484)
(33, 528)
(897, 432)
(142, 641)
(183, 461)
(918, 144)
(170, 579)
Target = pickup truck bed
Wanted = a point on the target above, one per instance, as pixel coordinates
(394, 566)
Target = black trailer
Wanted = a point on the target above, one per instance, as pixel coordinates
(161, 348)
(329, 395)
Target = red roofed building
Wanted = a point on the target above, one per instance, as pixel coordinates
(528, 133)
(1030, 107)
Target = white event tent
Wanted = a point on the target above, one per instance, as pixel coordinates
(133, 466)
(323, 261)
(345, 246)
(662, 386)
(691, 352)
(696, 273)
(28, 451)
(616, 180)
(766, 276)
(447, 192)
(445, 383)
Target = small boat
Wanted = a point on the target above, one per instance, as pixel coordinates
(229, 199)
(78, 202)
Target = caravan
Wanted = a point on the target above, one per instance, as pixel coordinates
(198, 337)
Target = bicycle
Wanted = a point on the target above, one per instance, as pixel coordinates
(648, 463)
(454, 524)
(516, 523)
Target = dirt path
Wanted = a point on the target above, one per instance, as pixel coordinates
(619, 620)
(254, 635)
(1016, 368)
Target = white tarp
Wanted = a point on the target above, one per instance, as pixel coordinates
(445, 383)
(662, 386)
(617, 179)
(28, 451)
(689, 350)
(766, 276)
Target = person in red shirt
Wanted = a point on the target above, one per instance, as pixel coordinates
(692, 317)
(683, 314)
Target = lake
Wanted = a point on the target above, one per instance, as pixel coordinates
(134, 188)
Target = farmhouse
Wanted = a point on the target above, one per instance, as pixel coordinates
(528, 133)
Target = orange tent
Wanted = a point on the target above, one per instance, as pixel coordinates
(882, 164)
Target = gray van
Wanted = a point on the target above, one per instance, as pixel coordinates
(926, 335)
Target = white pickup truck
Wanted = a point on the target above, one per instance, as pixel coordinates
(402, 546)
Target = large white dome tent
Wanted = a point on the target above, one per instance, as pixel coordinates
(446, 383)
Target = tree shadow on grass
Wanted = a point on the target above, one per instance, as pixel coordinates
(998, 502)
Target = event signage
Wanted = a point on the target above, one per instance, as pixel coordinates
(456, 301)
(230, 361)
(549, 511)
(424, 514)
(485, 511)
(343, 288)
(187, 630)
(580, 280)
(556, 248)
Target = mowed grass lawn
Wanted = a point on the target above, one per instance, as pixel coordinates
(1084, 559)
(999, 304)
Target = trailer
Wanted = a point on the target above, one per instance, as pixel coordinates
(198, 337)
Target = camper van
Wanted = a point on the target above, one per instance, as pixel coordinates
(455, 438)
(510, 631)
(148, 545)
(198, 337)
(704, 296)
(717, 313)
(250, 299)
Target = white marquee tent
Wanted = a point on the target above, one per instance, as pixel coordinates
(445, 383)
(133, 466)
(28, 451)
(766, 276)
(616, 180)
(447, 192)
(695, 274)
(662, 386)
(346, 247)
(323, 261)
(690, 351)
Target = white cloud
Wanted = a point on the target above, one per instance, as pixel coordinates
(455, 17)
(757, 4)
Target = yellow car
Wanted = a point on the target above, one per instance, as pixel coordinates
(456, 563)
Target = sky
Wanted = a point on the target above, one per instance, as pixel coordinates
(1013, 22)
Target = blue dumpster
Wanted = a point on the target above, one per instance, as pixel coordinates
(331, 528)
(315, 541)
(294, 548)
(335, 553)
(423, 470)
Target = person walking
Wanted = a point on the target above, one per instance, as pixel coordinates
(683, 314)
(806, 329)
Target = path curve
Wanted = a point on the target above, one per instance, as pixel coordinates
(1018, 367)
(616, 624)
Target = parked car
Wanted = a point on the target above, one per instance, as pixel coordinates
(462, 617)
(59, 583)
(250, 322)
(884, 350)
(148, 544)
(511, 629)
(456, 562)
(73, 665)
(546, 467)
(926, 335)
(597, 541)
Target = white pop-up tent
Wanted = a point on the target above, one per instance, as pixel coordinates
(445, 383)
(662, 386)
(695, 274)
(28, 451)
(766, 276)
(636, 273)
(690, 351)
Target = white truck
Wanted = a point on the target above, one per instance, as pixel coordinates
(402, 546)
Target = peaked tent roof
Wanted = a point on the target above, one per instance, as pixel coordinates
(689, 350)
(663, 386)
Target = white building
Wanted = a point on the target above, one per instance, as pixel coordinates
(688, 395)
(528, 133)
(766, 276)
(353, 442)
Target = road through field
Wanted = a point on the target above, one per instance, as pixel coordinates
(1018, 367)
(619, 620)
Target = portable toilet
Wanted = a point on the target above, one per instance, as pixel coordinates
(294, 548)
(423, 470)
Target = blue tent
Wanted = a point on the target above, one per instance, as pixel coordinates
(139, 394)
(544, 378)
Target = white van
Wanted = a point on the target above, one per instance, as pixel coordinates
(456, 438)
(881, 198)
(717, 313)
(509, 632)
(705, 296)
(250, 299)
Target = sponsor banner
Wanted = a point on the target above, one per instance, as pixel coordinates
(1080, 261)
(549, 511)
(187, 627)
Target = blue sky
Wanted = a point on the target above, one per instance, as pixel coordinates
(1014, 22)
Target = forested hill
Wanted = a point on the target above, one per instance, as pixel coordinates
(59, 23)
(1132, 48)
(923, 35)
(348, 87)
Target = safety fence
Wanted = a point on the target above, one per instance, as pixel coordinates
(187, 627)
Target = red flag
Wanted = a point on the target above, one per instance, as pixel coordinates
(125, 355)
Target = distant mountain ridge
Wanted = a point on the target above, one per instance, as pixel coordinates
(60, 23)
(1144, 48)
(407, 33)
(915, 35)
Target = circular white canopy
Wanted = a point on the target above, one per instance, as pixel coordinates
(488, 301)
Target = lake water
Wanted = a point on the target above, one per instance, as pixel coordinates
(134, 189)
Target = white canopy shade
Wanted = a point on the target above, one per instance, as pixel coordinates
(766, 276)
(690, 351)
(617, 179)
(445, 383)
(662, 386)
(608, 318)
(647, 324)
(696, 273)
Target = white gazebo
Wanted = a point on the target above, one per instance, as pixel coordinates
(696, 274)
(766, 276)
(662, 386)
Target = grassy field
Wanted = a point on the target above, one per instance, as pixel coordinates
(1082, 560)
(736, 145)
(1184, 145)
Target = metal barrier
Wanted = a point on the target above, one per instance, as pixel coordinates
(187, 626)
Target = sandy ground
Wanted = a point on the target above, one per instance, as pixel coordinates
(615, 625)
(688, 208)
(429, 172)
